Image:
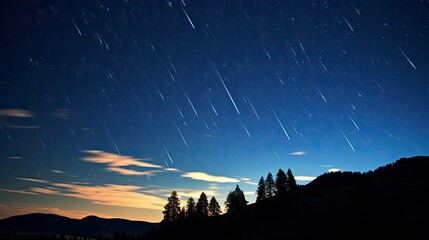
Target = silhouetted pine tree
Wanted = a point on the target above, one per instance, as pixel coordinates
(269, 186)
(172, 208)
(260, 192)
(182, 214)
(281, 182)
(235, 201)
(291, 183)
(202, 208)
(214, 208)
(190, 208)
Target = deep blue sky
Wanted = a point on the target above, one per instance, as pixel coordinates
(108, 106)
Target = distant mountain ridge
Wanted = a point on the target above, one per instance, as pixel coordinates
(88, 226)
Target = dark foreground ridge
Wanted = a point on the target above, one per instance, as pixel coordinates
(389, 202)
(53, 224)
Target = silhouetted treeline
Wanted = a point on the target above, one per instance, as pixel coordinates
(268, 188)
(203, 208)
(235, 200)
(389, 202)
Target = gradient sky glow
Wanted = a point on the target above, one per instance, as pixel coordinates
(106, 107)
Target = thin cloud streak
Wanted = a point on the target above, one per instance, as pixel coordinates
(116, 163)
(213, 186)
(116, 160)
(195, 193)
(16, 113)
(44, 190)
(172, 169)
(209, 178)
(33, 180)
(111, 194)
(251, 183)
(21, 126)
(124, 171)
(18, 191)
(298, 153)
(305, 178)
(62, 113)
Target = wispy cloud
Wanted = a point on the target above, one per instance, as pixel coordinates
(16, 113)
(108, 194)
(125, 171)
(251, 183)
(52, 191)
(14, 157)
(116, 195)
(298, 153)
(33, 180)
(172, 169)
(213, 186)
(57, 171)
(248, 181)
(209, 178)
(62, 113)
(305, 178)
(21, 191)
(195, 193)
(116, 162)
(21, 126)
(334, 170)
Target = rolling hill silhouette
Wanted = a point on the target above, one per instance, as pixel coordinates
(390, 202)
(88, 226)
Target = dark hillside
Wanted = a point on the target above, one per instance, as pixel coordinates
(390, 201)
(88, 226)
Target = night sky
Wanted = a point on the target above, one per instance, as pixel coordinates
(106, 107)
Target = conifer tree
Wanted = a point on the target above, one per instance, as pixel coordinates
(202, 208)
(229, 203)
(260, 192)
(241, 199)
(269, 186)
(182, 213)
(172, 208)
(190, 208)
(214, 208)
(291, 180)
(281, 182)
(235, 201)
